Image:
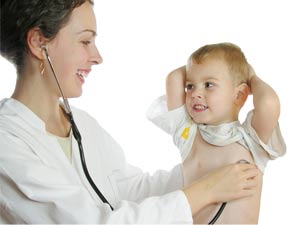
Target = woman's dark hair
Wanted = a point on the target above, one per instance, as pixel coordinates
(19, 16)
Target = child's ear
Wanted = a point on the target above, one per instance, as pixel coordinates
(241, 94)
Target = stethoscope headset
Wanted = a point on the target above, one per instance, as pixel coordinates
(77, 137)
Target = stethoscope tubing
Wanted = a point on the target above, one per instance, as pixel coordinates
(76, 134)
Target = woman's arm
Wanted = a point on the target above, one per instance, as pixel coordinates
(175, 84)
(224, 184)
(266, 107)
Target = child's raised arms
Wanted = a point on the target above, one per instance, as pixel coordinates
(175, 84)
(266, 107)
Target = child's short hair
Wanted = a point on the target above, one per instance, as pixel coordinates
(231, 53)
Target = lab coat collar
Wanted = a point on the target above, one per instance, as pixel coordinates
(10, 107)
(18, 119)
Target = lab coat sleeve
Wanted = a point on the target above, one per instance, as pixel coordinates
(134, 185)
(32, 192)
(130, 182)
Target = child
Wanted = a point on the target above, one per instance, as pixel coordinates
(203, 100)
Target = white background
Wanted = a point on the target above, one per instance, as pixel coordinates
(142, 40)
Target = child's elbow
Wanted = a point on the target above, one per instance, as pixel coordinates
(176, 77)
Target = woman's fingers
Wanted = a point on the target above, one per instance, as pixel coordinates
(247, 180)
(225, 184)
(250, 183)
(241, 180)
(246, 166)
(246, 193)
(249, 174)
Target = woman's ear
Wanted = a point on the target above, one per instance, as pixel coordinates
(241, 95)
(35, 39)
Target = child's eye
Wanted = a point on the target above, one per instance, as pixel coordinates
(189, 87)
(208, 85)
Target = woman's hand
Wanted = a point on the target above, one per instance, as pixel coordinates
(225, 184)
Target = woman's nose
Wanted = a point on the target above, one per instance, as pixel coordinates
(96, 58)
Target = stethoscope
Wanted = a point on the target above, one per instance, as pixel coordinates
(77, 137)
(75, 132)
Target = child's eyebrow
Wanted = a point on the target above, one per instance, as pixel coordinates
(203, 79)
(210, 78)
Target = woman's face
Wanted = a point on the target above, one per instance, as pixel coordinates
(73, 50)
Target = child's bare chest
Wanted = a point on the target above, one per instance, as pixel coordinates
(205, 157)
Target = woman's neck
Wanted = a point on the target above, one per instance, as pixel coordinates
(33, 92)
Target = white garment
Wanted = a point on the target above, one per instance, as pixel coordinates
(39, 185)
(178, 123)
(65, 144)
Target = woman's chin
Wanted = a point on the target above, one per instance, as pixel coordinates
(74, 95)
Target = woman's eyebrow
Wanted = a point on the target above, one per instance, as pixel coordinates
(87, 30)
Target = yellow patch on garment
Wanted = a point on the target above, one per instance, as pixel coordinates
(185, 134)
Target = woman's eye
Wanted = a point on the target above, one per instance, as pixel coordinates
(86, 42)
(208, 85)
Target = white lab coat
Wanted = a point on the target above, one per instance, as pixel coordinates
(39, 185)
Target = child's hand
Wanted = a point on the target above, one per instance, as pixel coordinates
(251, 73)
(250, 77)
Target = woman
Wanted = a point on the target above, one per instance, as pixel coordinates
(41, 176)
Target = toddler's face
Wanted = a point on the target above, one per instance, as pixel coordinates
(210, 92)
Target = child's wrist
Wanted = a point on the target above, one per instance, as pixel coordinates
(252, 74)
(251, 80)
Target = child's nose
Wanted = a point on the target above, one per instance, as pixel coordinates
(197, 93)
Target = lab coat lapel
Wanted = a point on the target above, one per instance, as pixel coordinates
(20, 121)
(96, 170)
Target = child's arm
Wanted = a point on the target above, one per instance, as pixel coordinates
(266, 107)
(175, 84)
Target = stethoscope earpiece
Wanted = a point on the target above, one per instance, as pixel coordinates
(44, 47)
